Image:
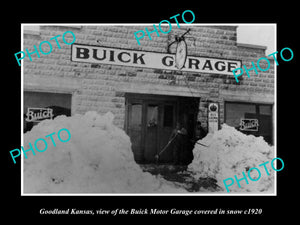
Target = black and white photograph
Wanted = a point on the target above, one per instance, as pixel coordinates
(161, 113)
(184, 113)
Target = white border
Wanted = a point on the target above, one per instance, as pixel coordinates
(153, 194)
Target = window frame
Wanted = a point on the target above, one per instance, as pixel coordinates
(257, 112)
(248, 103)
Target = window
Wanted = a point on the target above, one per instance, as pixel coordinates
(136, 115)
(236, 112)
(152, 115)
(43, 105)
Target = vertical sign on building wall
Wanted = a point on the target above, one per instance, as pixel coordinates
(213, 117)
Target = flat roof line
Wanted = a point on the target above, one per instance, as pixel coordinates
(251, 46)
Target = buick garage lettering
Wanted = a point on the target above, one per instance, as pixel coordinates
(156, 60)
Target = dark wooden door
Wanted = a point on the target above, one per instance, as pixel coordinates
(159, 124)
(150, 121)
(149, 126)
(168, 123)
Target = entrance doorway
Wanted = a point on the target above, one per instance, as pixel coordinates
(150, 120)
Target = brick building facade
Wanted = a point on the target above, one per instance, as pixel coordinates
(135, 95)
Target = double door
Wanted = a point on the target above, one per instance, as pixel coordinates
(150, 121)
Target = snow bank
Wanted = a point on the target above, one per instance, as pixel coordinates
(97, 159)
(230, 153)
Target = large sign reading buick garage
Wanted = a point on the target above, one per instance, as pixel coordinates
(126, 57)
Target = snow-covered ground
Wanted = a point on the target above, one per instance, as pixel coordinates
(230, 153)
(98, 159)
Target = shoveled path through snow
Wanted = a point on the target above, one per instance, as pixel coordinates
(181, 177)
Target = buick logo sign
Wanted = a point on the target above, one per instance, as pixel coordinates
(38, 114)
(249, 125)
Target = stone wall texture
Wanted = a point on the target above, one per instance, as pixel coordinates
(101, 87)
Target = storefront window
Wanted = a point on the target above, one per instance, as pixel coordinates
(250, 118)
(236, 111)
(265, 110)
(136, 115)
(43, 105)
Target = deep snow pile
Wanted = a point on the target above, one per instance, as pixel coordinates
(230, 153)
(97, 159)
